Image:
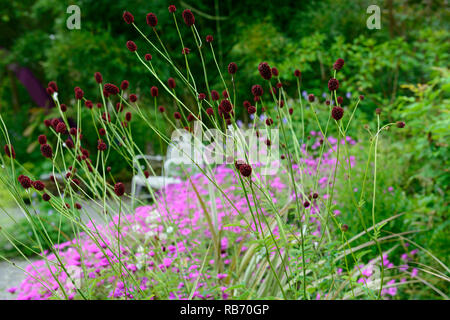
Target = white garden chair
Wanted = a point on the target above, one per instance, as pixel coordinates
(176, 155)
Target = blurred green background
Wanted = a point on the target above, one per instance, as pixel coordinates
(401, 68)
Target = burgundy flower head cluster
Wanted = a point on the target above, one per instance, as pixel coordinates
(10, 152)
(154, 91)
(337, 113)
(24, 181)
(257, 90)
(215, 95)
(333, 84)
(338, 64)
(119, 189)
(172, 8)
(148, 57)
(111, 89)
(225, 106)
(47, 150)
(133, 97)
(89, 104)
(297, 73)
(79, 94)
(38, 185)
(209, 38)
(52, 87)
(232, 68)
(61, 128)
(188, 17)
(245, 169)
(124, 85)
(131, 46)
(98, 77)
(265, 71)
(152, 20)
(101, 145)
(128, 17)
(171, 83)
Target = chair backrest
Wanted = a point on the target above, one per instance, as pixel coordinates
(181, 150)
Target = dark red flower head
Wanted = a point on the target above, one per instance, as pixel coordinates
(257, 90)
(188, 17)
(45, 197)
(225, 106)
(246, 104)
(63, 107)
(38, 185)
(172, 8)
(400, 124)
(102, 131)
(338, 64)
(73, 131)
(50, 91)
(119, 189)
(306, 204)
(251, 109)
(152, 20)
(24, 181)
(210, 111)
(185, 51)
(361, 97)
(98, 77)
(209, 38)
(201, 96)
(378, 111)
(78, 93)
(344, 227)
(10, 152)
(61, 127)
(128, 116)
(101, 145)
(214, 95)
(171, 83)
(275, 72)
(245, 169)
(46, 150)
(52, 84)
(148, 56)
(190, 117)
(88, 104)
(133, 97)
(161, 109)
(154, 91)
(225, 94)
(337, 113)
(297, 73)
(232, 68)
(311, 98)
(42, 139)
(124, 85)
(333, 84)
(131, 46)
(128, 17)
(340, 100)
(177, 115)
(265, 71)
(111, 89)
